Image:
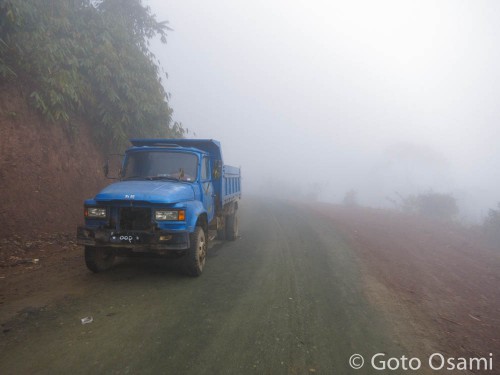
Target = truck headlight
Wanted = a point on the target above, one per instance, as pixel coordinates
(95, 212)
(170, 215)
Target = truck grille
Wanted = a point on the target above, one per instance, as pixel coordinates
(135, 218)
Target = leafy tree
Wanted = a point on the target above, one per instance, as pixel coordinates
(88, 58)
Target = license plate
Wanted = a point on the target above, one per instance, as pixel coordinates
(129, 238)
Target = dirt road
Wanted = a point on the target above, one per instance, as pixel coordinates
(288, 297)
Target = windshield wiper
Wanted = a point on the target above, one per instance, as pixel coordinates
(155, 178)
(151, 178)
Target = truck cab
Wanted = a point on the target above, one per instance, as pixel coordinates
(170, 193)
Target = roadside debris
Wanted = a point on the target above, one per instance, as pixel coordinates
(473, 317)
(87, 320)
(15, 261)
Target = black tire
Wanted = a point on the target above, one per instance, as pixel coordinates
(98, 259)
(221, 234)
(232, 226)
(195, 258)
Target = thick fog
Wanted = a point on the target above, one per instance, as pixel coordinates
(315, 98)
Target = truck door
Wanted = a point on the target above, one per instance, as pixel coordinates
(207, 188)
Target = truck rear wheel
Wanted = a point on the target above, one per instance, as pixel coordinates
(232, 226)
(195, 258)
(98, 259)
(221, 231)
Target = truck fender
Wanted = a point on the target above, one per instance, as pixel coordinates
(195, 210)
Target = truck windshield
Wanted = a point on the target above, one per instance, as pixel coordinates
(157, 165)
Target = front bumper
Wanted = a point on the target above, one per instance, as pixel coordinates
(137, 241)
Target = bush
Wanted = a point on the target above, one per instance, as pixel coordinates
(432, 205)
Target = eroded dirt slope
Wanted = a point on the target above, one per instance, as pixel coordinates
(45, 171)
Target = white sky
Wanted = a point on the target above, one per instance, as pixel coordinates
(375, 96)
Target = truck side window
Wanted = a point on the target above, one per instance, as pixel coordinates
(205, 170)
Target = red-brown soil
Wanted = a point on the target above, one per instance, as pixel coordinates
(442, 274)
(37, 271)
(46, 171)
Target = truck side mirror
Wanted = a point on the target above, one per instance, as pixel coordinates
(115, 166)
(217, 169)
(105, 168)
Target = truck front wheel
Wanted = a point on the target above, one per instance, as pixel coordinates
(195, 258)
(98, 259)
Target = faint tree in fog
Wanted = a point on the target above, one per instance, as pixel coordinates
(433, 205)
(350, 198)
(491, 226)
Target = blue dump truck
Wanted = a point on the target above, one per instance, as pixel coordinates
(171, 193)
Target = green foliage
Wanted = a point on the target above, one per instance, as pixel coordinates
(432, 205)
(90, 58)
